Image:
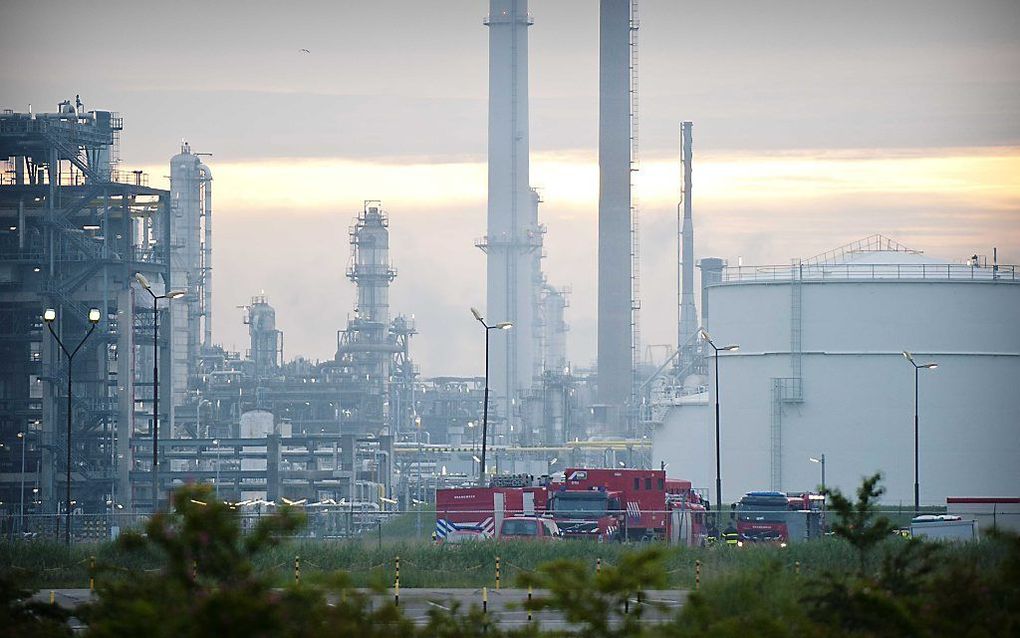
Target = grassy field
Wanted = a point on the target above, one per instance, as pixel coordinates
(51, 565)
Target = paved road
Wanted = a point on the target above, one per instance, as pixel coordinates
(416, 603)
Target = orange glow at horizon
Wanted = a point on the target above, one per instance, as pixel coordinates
(569, 182)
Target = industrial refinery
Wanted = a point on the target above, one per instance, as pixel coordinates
(117, 386)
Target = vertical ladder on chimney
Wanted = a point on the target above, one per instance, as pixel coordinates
(635, 235)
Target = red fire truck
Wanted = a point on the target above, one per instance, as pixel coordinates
(779, 516)
(606, 504)
(483, 508)
(688, 524)
(593, 503)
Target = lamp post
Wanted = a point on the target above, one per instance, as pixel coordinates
(503, 325)
(820, 460)
(49, 316)
(21, 518)
(718, 476)
(917, 369)
(173, 294)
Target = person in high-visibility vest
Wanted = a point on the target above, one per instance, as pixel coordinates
(730, 535)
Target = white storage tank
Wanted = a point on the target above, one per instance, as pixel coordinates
(820, 370)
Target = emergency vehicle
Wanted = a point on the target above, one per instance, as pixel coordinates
(779, 517)
(484, 508)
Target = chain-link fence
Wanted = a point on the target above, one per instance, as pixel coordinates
(677, 527)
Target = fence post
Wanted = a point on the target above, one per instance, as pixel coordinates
(529, 603)
(697, 575)
(92, 574)
(396, 583)
(297, 570)
(796, 567)
(53, 597)
(497, 573)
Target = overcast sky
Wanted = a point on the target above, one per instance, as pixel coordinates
(816, 123)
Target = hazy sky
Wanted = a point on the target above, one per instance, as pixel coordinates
(816, 123)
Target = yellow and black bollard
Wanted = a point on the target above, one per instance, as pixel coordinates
(497, 573)
(297, 570)
(529, 603)
(92, 574)
(396, 583)
(598, 565)
(485, 599)
(53, 597)
(697, 575)
(796, 568)
(194, 571)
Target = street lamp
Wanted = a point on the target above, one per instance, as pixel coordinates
(173, 294)
(49, 316)
(820, 460)
(551, 464)
(24, 441)
(917, 368)
(718, 477)
(503, 325)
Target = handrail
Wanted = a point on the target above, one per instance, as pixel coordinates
(861, 271)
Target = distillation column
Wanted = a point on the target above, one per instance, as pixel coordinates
(513, 236)
(190, 197)
(614, 259)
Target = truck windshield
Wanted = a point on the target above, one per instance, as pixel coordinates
(762, 509)
(581, 505)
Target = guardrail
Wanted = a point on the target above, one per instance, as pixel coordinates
(867, 272)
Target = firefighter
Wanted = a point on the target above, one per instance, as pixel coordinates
(730, 535)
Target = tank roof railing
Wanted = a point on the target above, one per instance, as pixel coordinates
(872, 243)
(870, 272)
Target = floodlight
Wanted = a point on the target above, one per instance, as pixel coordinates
(49, 315)
(94, 315)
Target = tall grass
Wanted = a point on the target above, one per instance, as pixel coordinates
(51, 565)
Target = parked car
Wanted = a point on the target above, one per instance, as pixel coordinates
(529, 527)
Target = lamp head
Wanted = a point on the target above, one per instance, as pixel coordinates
(909, 357)
(930, 366)
(94, 315)
(814, 460)
(140, 278)
(176, 294)
(477, 315)
(730, 348)
(504, 325)
(49, 315)
(704, 335)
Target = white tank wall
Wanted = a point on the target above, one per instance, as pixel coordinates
(858, 389)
